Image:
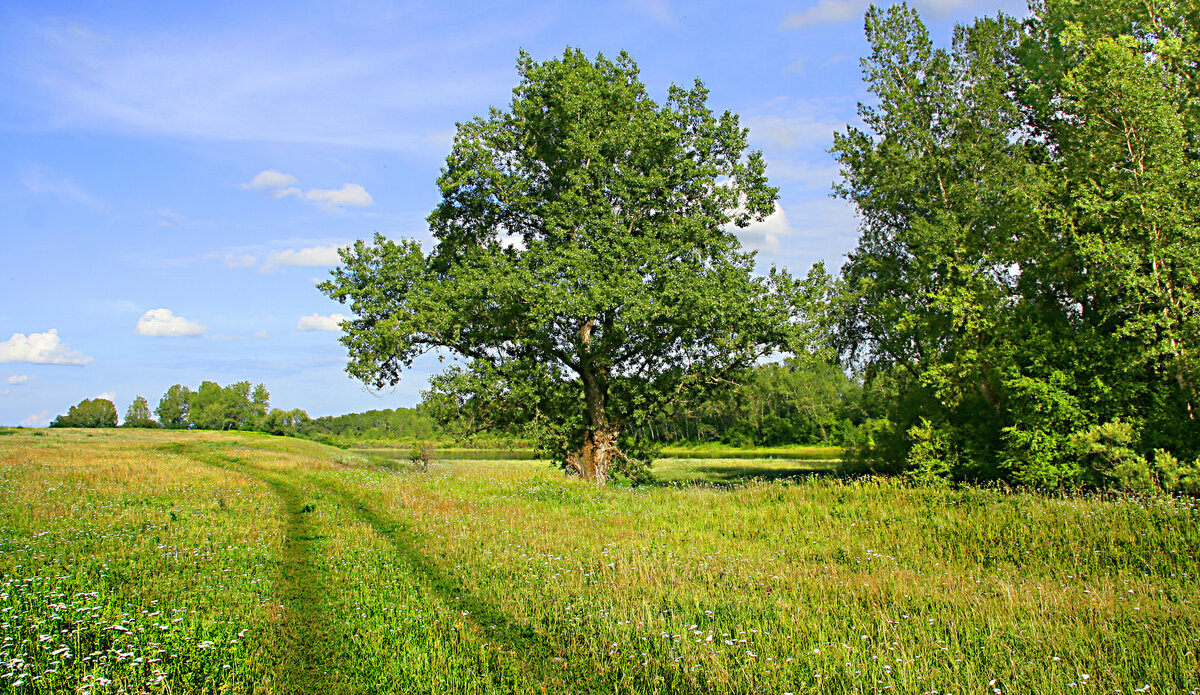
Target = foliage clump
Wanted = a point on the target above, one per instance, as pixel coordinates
(90, 412)
(1027, 283)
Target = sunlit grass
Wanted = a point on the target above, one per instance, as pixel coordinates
(309, 569)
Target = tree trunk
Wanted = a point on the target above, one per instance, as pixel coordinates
(594, 458)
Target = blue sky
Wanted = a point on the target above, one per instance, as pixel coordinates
(176, 177)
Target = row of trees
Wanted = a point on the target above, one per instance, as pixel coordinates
(237, 406)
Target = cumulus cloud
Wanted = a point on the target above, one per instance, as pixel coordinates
(107, 396)
(280, 185)
(765, 235)
(350, 195)
(161, 323)
(37, 419)
(18, 378)
(311, 256)
(269, 180)
(40, 348)
(316, 322)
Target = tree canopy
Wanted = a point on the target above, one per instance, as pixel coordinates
(1027, 268)
(90, 412)
(138, 414)
(585, 271)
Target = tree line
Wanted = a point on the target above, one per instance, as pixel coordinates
(238, 406)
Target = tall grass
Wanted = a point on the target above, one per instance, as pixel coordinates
(308, 569)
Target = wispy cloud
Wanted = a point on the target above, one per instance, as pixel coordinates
(163, 323)
(299, 84)
(316, 322)
(239, 260)
(659, 11)
(836, 11)
(826, 12)
(37, 419)
(40, 182)
(40, 348)
(14, 379)
(796, 128)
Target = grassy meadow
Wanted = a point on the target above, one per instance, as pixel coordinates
(203, 562)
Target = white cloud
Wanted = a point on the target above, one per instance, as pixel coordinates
(316, 322)
(825, 12)
(108, 396)
(657, 10)
(40, 183)
(270, 179)
(243, 260)
(161, 323)
(819, 176)
(350, 195)
(796, 67)
(800, 130)
(835, 11)
(311, 256)
(18, 378)
(40, 348)
(261, 335)
(297, 85)
(279, 185)
(765, 235)
(37, 419)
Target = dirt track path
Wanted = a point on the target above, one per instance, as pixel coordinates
(304, 629)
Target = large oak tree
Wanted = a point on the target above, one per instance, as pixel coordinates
(584, 269)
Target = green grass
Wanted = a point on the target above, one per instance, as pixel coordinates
(207, 562)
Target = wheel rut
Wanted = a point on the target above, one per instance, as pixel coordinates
(304, 630)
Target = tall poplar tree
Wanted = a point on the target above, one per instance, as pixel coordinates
(1028, 262)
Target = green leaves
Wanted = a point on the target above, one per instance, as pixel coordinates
(584, 270)
(1029, 205)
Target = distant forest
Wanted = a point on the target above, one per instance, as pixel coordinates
(800, 401)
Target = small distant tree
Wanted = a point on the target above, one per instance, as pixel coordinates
(421, 455)
(174, 408)
(138, 414)
(98, 412)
